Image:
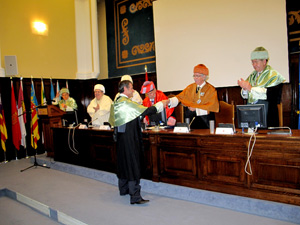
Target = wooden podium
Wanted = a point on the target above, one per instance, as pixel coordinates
(50, 117)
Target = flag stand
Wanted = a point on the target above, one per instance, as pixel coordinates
(16, 154)
(5, 161)
(26, 154)
(35, 163)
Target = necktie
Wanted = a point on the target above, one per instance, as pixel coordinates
(256, 78)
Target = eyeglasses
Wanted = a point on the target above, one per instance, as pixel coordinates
(198, 75)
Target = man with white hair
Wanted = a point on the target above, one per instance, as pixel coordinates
(136, 96)
(200, 99)
(99, 107)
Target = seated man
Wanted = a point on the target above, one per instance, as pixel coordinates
(200, 98)
(263, 85)
(67, 103)
(136, 96)
(99, 107)
(152, 97)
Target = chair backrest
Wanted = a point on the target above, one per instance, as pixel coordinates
(178, 111)
(225, 114)
(280, 114)
(275, 117)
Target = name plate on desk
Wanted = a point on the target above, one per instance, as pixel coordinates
(82, 126)
(104, 127)
(181, 130)
(224, 130)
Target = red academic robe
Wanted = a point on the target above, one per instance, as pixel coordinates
(159, 97)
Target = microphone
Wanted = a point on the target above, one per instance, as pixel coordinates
(89, 124)
(191, 122)
(234, 131)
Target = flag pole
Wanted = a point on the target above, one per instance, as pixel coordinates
(146, 73)
(5, 161)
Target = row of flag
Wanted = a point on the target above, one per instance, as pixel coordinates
(18, 115)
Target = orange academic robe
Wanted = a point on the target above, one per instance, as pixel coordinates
(208, 96)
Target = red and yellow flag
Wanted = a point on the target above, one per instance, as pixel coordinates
(35, 135)
(16, 132)
(3, 130)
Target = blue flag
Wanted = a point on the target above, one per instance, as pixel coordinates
(52, 95)
(57, 90)
(33, 97)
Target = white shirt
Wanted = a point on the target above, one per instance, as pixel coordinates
(102, 114)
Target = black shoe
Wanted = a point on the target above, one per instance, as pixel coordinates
(142, 201)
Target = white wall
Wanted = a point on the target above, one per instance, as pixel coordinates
(220, 34)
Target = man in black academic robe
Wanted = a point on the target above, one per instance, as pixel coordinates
(125, 116)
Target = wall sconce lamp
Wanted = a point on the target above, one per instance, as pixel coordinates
(39, 28)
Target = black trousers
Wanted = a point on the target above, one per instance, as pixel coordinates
(133, 188)
(200, 122)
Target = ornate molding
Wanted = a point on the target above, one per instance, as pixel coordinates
(143, 48)
(294, 16)
(140, 5)
(125, 39)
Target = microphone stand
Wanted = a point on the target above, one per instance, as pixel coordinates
(35, 163)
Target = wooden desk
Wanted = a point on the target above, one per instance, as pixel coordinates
(200, 160)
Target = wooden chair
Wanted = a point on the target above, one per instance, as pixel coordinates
(280, 114)
(225, 114)
(178, 111)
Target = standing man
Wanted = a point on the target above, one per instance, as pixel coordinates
(135, 96)
(125, 116)
(99, 107)
(200, 98)
(263, 85)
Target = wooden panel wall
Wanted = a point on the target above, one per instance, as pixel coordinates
(82, 92)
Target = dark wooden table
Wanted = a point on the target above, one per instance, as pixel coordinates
(199, 160)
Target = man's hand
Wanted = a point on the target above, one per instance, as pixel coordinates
(165, 102)
(145, 121)
(244, 84)
(97, 108)
(171, 121)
